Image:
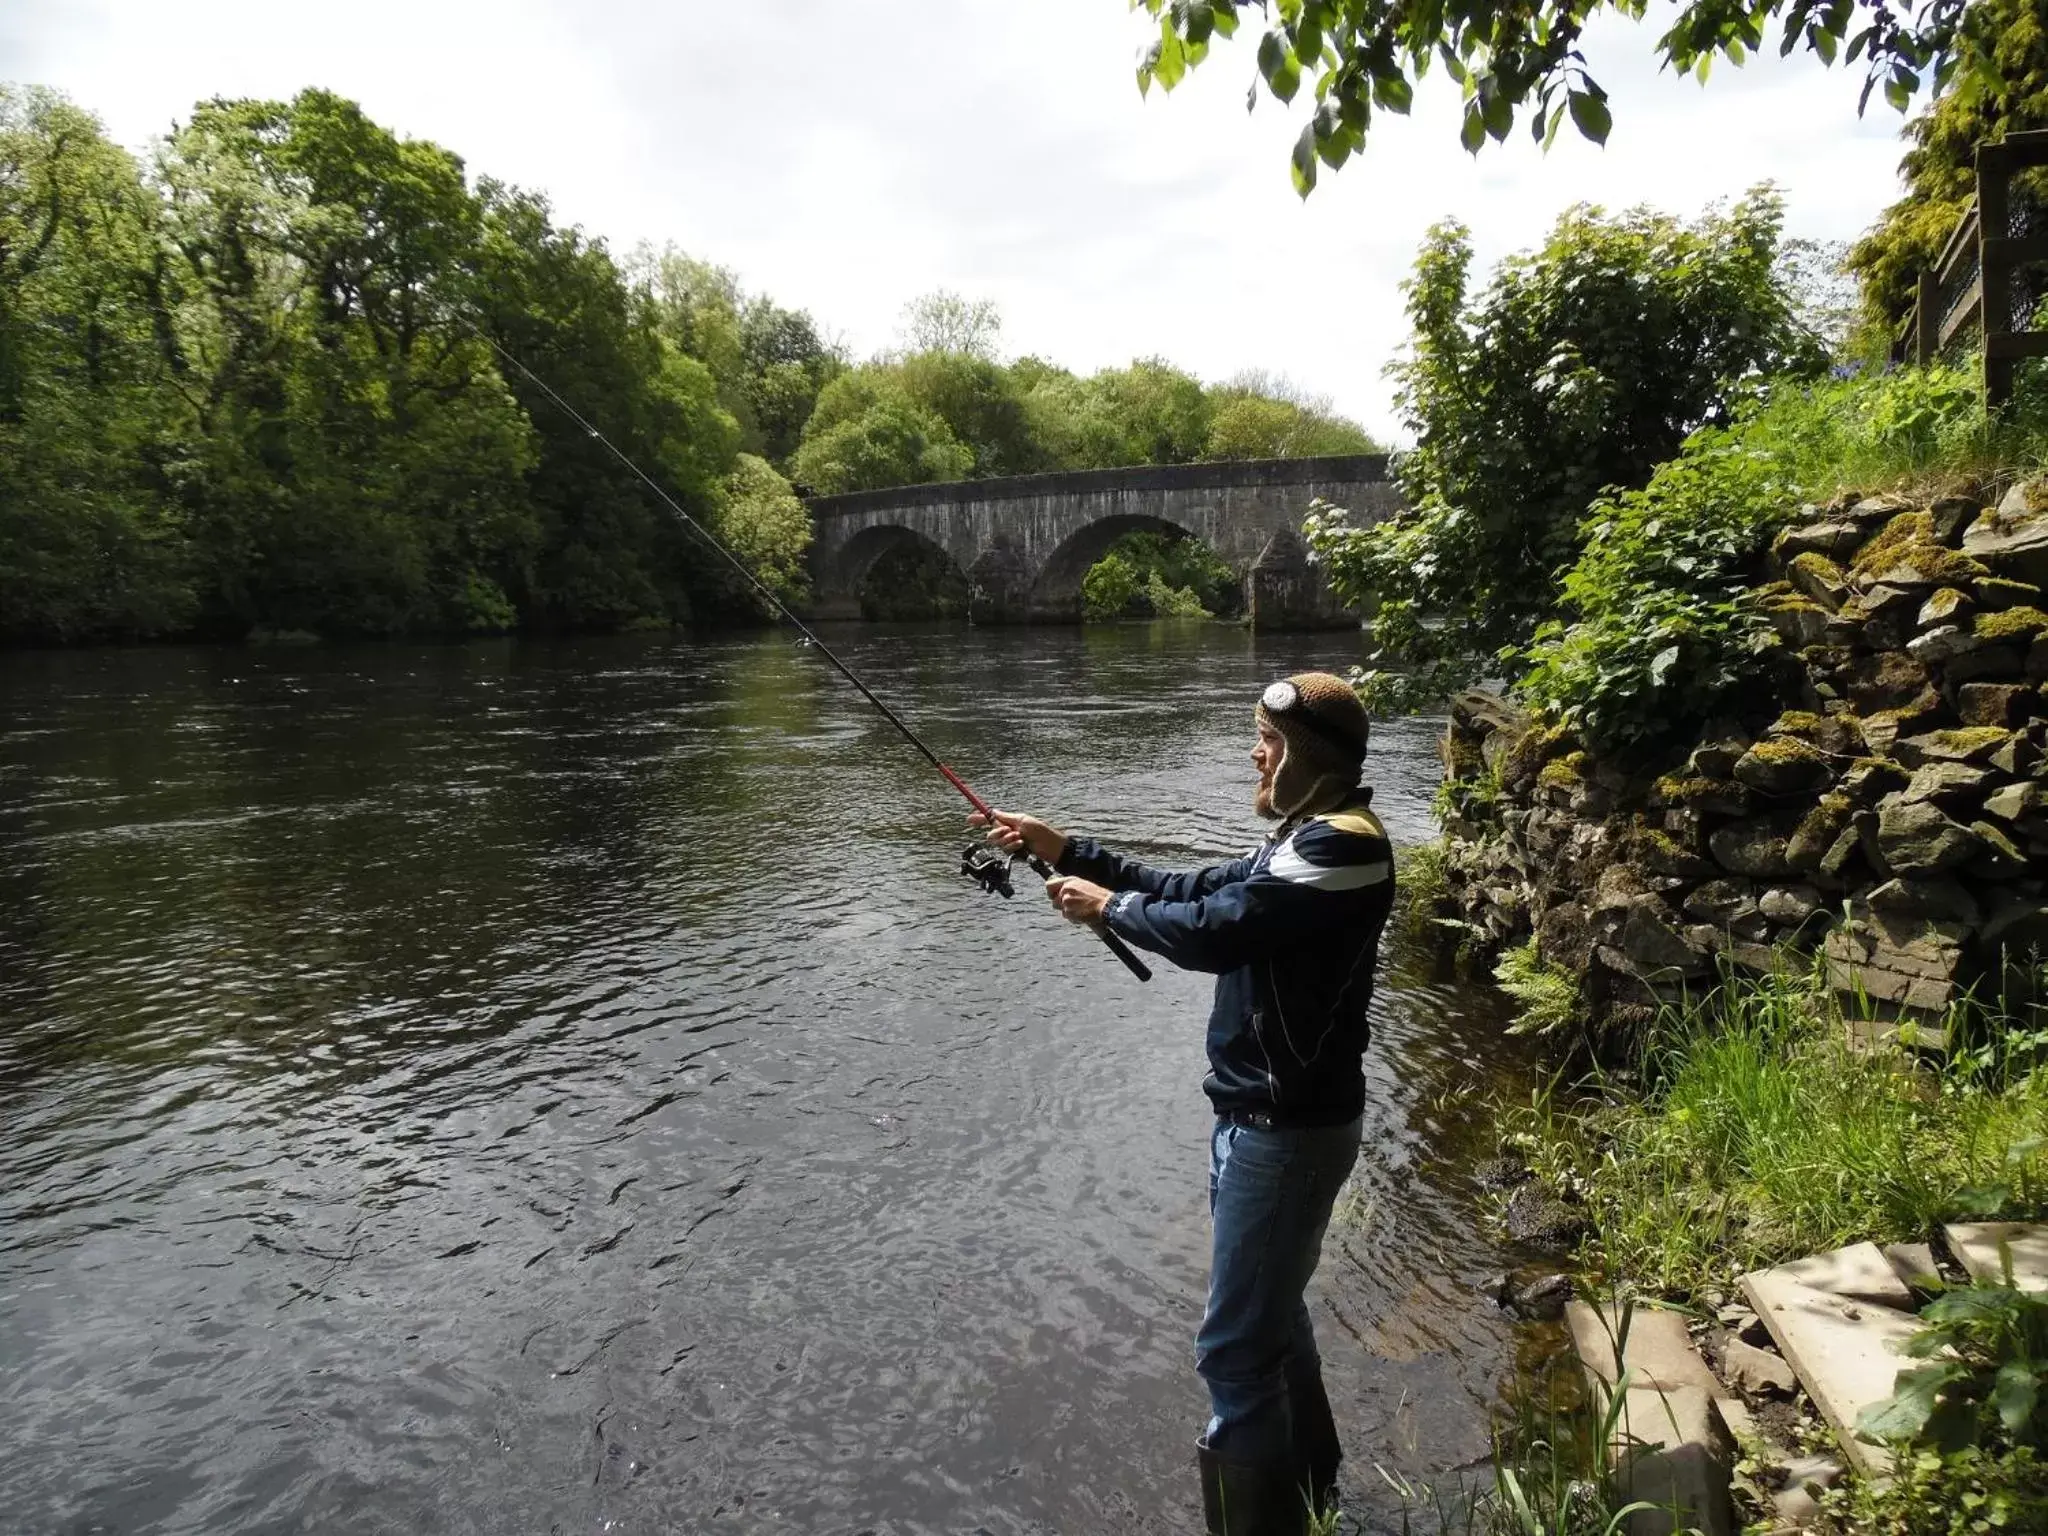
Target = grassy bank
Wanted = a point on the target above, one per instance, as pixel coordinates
(1747, 1130)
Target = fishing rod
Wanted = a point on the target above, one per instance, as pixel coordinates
(981, 865)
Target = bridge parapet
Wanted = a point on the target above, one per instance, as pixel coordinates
(1024, 542)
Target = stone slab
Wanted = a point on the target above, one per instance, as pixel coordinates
(1859, 1272)
(1844, 1349)
(1977, 1244)
(1658, 1349)
(1914, 1264)
(1672, 1452)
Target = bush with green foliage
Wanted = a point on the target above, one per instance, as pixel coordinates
(1159, 575)
(1579, 368)
(762, 521)
(1109, 588)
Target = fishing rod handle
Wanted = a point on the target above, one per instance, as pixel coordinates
(1122, 951)
(1117, 946)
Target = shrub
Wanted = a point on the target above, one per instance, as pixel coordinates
(1580, 366)
(1109, 586)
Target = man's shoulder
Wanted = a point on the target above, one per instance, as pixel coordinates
(1341, 850)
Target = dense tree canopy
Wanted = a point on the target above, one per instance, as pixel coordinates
(259, 383)
(1578, 368)
(1508, 56)
(1940, 168)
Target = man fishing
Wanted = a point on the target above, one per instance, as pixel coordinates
(1291, 932)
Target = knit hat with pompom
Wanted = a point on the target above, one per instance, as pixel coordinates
(1325, 730)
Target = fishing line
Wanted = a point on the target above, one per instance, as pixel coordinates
(1116, 945)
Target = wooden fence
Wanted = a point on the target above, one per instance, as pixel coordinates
(1982, 287)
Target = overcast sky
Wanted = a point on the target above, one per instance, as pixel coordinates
(847, 155)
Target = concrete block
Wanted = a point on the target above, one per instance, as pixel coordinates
(1658, 1350)
(1672, 1452)
(1978, 1243)
(1914, 1264)
(1757, 1370)
(1844, 1350)
(1859, 1272)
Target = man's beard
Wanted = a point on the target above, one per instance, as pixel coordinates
(1262, 799)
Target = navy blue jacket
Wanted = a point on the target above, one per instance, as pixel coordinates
(1292, 933)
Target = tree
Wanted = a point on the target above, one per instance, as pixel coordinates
(1940, 168)
(1257, 417)
(942, 321)
(89, 547)
(889, 441)
(1507, 55)
(764, 523)
(1579, 368)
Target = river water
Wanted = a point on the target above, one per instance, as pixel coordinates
(568, 1087)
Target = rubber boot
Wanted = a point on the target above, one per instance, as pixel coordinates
(1316, 1450)
(1249, 1498)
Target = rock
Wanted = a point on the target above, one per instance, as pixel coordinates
(1948, 516)
(1542, 1301)
(1840, 858)
(1925, 901)
(1868, 511)
(1835, 538)
(1789, 905)
(1994, 593)
(2004, 704)
(1838, 733)
(1887, 680)
(1783, 766)
(1999, 857)
(1662, 854)
(2018, 925)
(1537, 1217)
(1817, 831)
(2013, 540)
(1797, 1501)
(1895, 961)
(1757, 1371)
(1941, 644)
(2014, 802)
(1820, 579)
(1717, 759)
(1870, 779)
(1799, 621)
(1918, 839)
(1756, 847)
(1655, 948)
(1972, 744)
(1945, 783)
(1564, 936)
(1730, 905)
(2016, 757)
(1701, 796)
(1947, 606)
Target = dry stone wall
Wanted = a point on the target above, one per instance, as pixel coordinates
(1883, 799)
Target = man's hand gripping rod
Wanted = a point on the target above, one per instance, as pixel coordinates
(982, 865)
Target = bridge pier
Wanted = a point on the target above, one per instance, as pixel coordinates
(1024, 543)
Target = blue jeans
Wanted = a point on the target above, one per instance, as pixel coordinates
(1270, 1194)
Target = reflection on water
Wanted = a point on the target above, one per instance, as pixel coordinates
(513, 1087)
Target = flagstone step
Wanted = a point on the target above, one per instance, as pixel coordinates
(1977, 1245)
(1838, 1319)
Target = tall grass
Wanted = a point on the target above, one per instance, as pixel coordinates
(1761, 1134)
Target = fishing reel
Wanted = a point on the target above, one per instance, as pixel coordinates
(987, 869)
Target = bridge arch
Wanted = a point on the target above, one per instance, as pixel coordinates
(1024, 542)
(872, 545)
(1056, 592)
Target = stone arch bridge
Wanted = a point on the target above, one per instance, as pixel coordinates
(1025, 542)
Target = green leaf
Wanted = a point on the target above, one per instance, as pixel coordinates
(1308, 40)
(2013, 1394)
(1393, 92)
(1304, 160)
(1201, 21)
(1473, 134)
(1590, 115)
(1172, 62)
(1278, 64)
(1224, 17)
(1498, 112)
